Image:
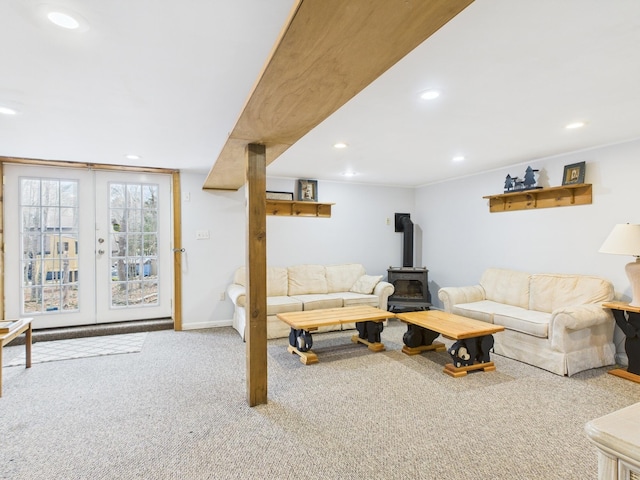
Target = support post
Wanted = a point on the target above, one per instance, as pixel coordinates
(256, 334)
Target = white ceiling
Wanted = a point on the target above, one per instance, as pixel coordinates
(167, 80)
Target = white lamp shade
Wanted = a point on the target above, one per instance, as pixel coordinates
(624, 239)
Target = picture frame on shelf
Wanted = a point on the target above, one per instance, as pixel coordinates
(279, 195)
(574, 173)
(307, 190)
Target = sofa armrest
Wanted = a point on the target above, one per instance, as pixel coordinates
(577, 317)
(450, 296)
(237, 293)
(383, 290)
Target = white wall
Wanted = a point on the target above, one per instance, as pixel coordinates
(356, 232)
(456, 237)
(208, 265)
(461, 238)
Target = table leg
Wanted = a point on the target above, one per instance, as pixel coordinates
(470, 354)
(418, 339)
(27, 344)
(300, 343)
(369, 335)
(630, 325)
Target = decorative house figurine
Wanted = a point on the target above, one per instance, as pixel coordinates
(515, 184)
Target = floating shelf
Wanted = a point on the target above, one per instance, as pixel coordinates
(291, 208)
(564, 196)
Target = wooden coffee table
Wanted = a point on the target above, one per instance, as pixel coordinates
(428, 324)
(17, 327)
(366, 318)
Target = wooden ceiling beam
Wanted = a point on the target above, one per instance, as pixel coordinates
(327, 52)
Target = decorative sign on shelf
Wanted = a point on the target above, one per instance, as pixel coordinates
(574, 173)
(517, 184)
(308, 190)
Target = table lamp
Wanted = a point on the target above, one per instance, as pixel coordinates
(624, 239)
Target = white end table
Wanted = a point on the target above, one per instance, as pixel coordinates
(617, 437)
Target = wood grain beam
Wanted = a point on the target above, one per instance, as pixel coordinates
(256, 310)
(327, 52)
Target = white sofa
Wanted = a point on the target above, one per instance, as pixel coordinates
(552, 321)
(309, 287)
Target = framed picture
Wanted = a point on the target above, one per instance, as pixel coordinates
(279, 195)
(308, 190)
(573, 173)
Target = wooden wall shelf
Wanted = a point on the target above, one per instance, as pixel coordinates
(564, 196)
(292, 208)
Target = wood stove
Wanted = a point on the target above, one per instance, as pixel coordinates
(411, 286)
(411, 283)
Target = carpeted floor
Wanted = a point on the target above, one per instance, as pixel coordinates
(76, 348)
(178, 410)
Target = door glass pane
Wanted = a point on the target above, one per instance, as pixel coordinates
(49, 245)
(133, 244)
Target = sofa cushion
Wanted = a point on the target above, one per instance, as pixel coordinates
(316, 302)
(277, 283)
(551, 291)
(340, 278)
(350, 299)
(365, 284)
(307, 279)
(530, 322)
(482, 310)
(283, 304)
(509, 316)
(506, 286)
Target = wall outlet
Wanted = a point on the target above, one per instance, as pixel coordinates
(222, 296)
(187, 197)
(202, 234)
(388, 221)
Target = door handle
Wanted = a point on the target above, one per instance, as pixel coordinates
(100, 252)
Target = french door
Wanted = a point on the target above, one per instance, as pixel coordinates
(85, 246)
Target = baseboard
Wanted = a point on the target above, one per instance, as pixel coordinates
(203, 325)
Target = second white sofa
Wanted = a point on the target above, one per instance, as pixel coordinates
(553, 321)
(309, 287)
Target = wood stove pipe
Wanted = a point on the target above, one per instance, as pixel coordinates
(404, 224)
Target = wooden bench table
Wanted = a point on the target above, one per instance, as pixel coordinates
(312, 320)
(431, 323)
(15, 328)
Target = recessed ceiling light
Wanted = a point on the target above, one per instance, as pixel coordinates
(429, 94)
(349, 174)
(340, 145)
(133, 157)
(458, 158)
(7, 111)
(63, 20)
(573, 125)
(62, 17)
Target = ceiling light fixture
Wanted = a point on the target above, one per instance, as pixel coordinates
(63, 20)
(429, 94)
(349, 174)
(133, 157)
(574, 125)
(7, 111)
(340, 145)
(62, 17)
(458, 158)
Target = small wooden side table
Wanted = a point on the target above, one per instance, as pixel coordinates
(20, 326)
(628, 319)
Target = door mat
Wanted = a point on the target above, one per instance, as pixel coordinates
(69, 349)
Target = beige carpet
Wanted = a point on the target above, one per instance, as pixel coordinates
(178, 410)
